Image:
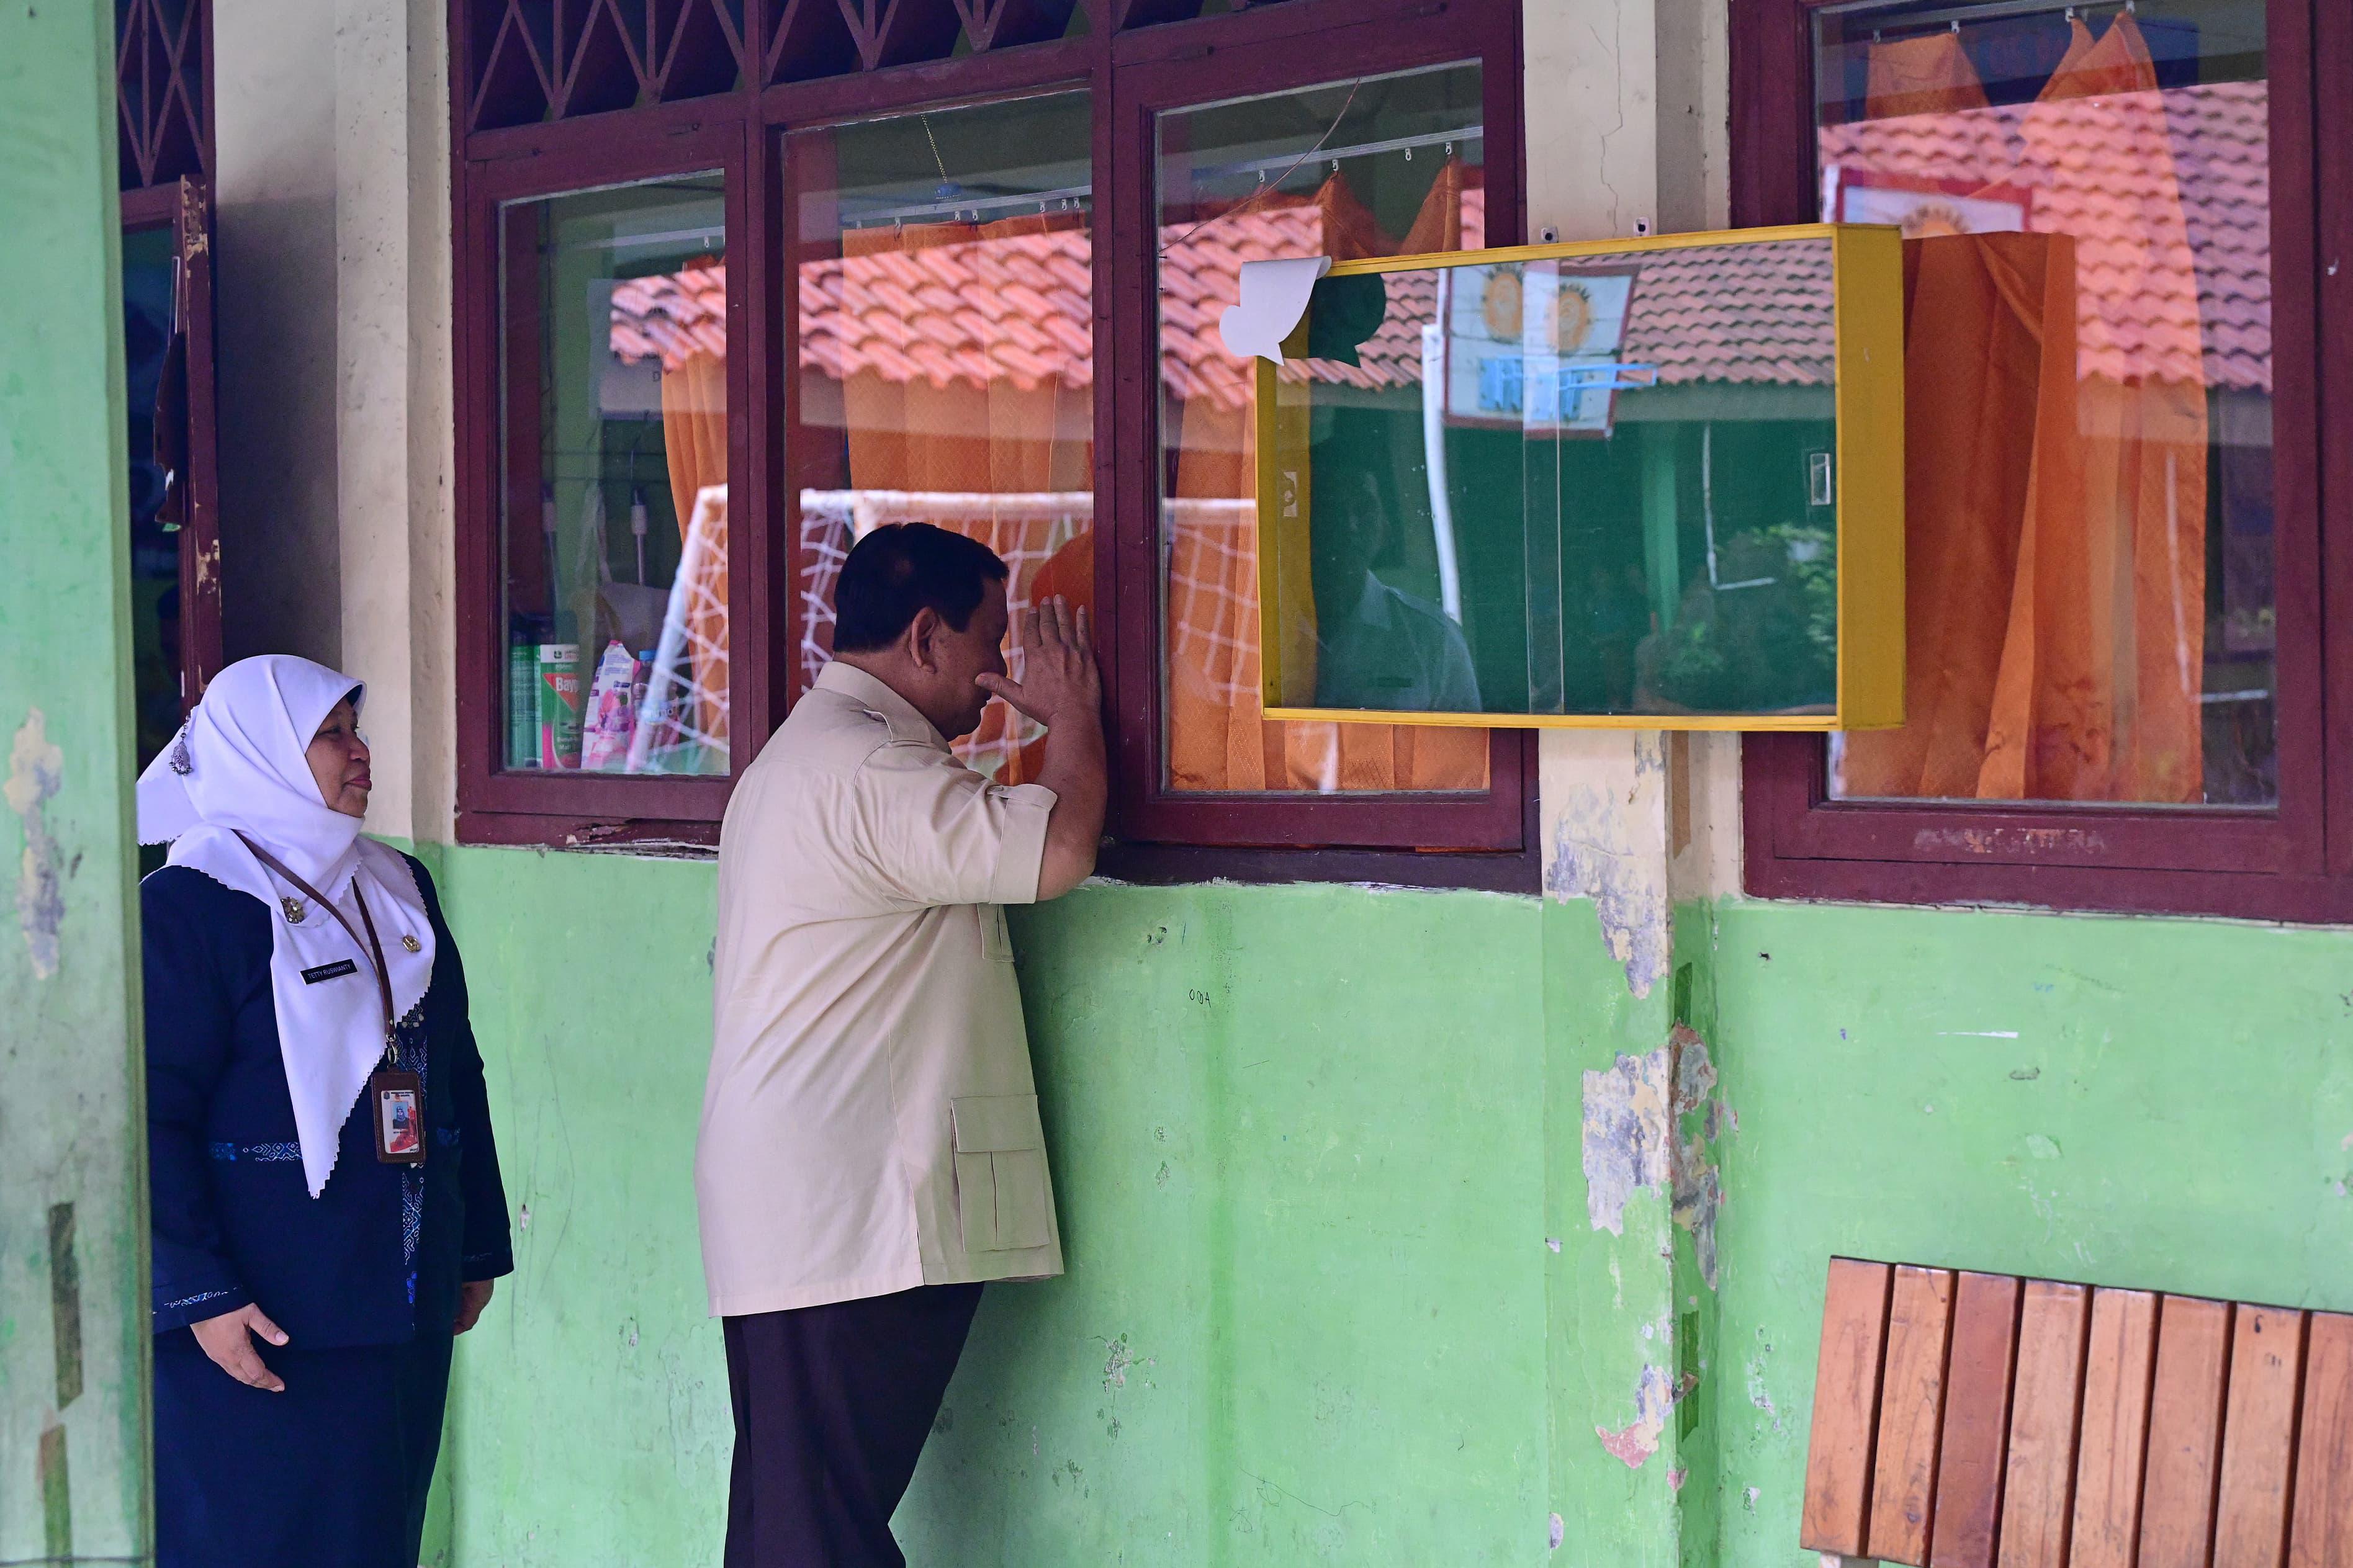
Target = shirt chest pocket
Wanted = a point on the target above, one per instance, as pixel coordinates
(1001, 1172)
(996, 940)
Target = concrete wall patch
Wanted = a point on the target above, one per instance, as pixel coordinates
(1628, 1136)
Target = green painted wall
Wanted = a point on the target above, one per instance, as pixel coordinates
(73, 1255)
(1312, 1145)
(1309, 1145)
(2153, 1103)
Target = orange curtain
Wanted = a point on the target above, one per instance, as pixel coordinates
(1218, 736)
(695, 431)
(2144, 422)
(903, 430)
(1930, 74)
(2056, 465)
(1439, 225)
(1041, 439)
(1996, 637)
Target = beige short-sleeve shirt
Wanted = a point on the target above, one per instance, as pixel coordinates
(870, 1123)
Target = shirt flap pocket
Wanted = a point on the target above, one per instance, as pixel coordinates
(995, 942)
(988, 1123)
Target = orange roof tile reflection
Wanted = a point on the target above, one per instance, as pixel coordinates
(1017, 307)
(2086, 163)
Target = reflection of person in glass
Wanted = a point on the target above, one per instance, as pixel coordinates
(1378, 647)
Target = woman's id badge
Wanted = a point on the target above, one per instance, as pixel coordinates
(398, 1097)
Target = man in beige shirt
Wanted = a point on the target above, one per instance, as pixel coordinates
(870, 1151)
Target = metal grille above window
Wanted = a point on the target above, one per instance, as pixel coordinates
(160, 90)
(556, 59)
(529, 61)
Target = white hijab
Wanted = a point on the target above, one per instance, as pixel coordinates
(238, 765)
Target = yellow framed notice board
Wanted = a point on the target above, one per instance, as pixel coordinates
(1640, 484)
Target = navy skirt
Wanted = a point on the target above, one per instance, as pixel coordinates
(332, 1473)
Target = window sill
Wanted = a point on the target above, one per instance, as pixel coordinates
(2269, 897)
(696, 840)
(1143, 864)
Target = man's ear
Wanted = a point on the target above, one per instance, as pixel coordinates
(921, 640)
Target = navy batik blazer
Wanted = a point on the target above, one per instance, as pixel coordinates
(378, 1256)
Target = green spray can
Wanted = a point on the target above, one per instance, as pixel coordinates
(559, 705)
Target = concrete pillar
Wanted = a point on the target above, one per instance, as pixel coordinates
(73, 1191)
(1626, 113)
(394, 434)
(335, 331)
(275, 303)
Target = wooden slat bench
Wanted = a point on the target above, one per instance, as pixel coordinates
(1985, 1421)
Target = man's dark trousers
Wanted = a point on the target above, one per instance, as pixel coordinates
(832, 1406)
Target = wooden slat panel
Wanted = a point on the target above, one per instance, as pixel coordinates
(1911, 1415)
(1976, 1420)
(1846, 1405)
(2115, 1438)
(2322, 1536)
(2258, 1438)
(2039, 1477)
(2185, 1432)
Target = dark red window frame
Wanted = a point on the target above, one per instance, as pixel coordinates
(520, 132)
(2292, 863)
(183, 207)
(163, 124)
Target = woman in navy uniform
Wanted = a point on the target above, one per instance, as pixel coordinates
(307, 1041)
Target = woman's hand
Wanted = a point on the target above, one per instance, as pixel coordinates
(227, 1339)
(472, 1297)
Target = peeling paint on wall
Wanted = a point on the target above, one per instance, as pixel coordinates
(1656, 1394)
(36, 774)
(1628, 1136)
(1606, 838)
(1654, 1399)
(64, 1304)
(1698, 1192)
(1630, 1142)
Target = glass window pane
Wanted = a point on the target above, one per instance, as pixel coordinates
(616, 570)
(945, 268)
(2091, 615)
(1626, 463)
(1380, 167)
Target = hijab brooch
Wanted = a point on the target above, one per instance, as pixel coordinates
(411, 944)
(182, 764)
(295, 908)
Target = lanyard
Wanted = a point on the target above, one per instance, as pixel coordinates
(374, 949)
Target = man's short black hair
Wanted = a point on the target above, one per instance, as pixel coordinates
(904, 567)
